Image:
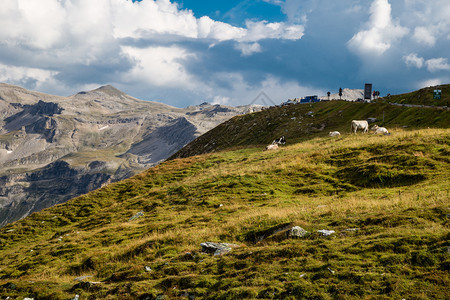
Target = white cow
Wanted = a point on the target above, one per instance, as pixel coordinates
(271, 147)
(360, 124)
(334, 133)
(381, 130)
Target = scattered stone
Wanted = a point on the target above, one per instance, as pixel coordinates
(160, 297)
(331, 271)
(220, 205)
(26, 298)
(81, 278)
(325, 232)
(76, 297)
(296, 232)
(11, 230)
(217, 248)
(147, 269)
(351, 229)
(302, 275)
(137, 215)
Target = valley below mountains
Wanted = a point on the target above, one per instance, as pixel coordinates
(54, 148)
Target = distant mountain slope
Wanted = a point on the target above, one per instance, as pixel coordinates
(89, 139)
(349, 217)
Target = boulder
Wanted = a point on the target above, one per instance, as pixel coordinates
(217, 248)
(296, 232)
(325, 232)
(137, 215)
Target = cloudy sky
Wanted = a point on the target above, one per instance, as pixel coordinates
(184, 52)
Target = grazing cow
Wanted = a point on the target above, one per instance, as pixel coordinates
(271, 147)
(381, 130)
(281, 141)
(360, 124)
(334, 133)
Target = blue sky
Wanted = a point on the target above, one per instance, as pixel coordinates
(185, 52)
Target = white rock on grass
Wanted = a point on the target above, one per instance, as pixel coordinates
(325, 232)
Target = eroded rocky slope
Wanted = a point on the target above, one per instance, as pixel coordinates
(54, 148)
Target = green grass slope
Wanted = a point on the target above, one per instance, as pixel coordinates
(302, 122)
(422, 97)
(386, 198)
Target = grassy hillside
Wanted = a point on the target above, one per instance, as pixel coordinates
(422, 97)
(386, 198)
(302, 122)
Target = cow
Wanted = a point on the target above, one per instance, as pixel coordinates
(360, 124)
(281, 141)
(271, 147)
(381, 130)
(334, 133)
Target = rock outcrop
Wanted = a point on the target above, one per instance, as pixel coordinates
(55, 148)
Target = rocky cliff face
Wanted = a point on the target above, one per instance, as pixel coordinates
(55, 148)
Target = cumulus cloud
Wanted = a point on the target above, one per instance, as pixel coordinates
(423, 35)
(159, 66)
(433, 64)
(248, 48)
(437, 64)
(380, 33)
(412, 60)
(154, 49)
(432, 82)
(66, 36)
(22, 75)
(428, 19)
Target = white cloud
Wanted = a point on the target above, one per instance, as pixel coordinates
(432, 82)
(437, 64)
(57, 34)
(138, 20)
(159, 66)
(34, 23)
(380, 34)
(222, 100)
(20, 75)
(433, 65)
(248, 48)
(429, 19)
(423, 35)
(412, 60)
(210, 29)
(264, 30)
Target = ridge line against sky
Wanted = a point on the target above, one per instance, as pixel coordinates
(186, 52)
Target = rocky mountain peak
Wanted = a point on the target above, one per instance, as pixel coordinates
(110, 91)
(99, 136)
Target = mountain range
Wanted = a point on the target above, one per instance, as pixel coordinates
(54, 148)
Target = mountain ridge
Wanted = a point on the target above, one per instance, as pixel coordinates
(103, 126)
